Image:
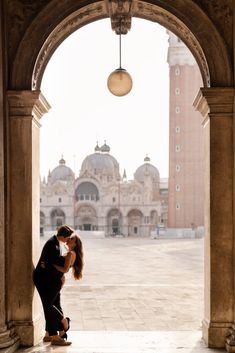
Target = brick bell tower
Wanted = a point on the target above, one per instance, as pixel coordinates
(186, 179)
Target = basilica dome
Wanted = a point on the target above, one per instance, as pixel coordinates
(100, 164)
(62, 172)
(146, 169)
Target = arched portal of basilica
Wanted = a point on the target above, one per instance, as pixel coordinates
(30, 32)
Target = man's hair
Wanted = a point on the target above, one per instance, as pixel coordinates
(64, 231)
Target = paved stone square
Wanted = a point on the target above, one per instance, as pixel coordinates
(128, 342)
(137, 296)
(137, 284)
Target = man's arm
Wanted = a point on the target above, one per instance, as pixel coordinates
(51, 254)
(69, 259)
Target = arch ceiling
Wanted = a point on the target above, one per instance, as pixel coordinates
(58, 19)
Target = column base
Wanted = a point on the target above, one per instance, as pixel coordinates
(230, 340)
(9, 341)
(214, 334)
(30, 332)
(11, 349)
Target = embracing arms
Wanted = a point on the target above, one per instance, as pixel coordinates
(69, 261)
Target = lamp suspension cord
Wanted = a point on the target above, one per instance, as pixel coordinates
(120, 50)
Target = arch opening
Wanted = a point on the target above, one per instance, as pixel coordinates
(31, 79)
(175, 18)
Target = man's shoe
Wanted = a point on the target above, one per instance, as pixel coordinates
(60, 342)
(47, 339)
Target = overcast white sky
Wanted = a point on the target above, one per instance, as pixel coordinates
(83, 111)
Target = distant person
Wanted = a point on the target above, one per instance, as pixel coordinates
(48, 281)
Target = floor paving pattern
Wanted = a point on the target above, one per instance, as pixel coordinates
(129, 342)
(137, 296)
(137, 285)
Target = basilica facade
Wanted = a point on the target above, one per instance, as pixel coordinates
(100, 199)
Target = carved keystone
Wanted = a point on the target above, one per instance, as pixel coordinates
(120, 15)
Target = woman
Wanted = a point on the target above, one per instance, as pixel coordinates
(73, 259)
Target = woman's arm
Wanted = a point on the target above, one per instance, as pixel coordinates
(67, 264)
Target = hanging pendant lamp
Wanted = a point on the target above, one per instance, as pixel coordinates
(119, 81)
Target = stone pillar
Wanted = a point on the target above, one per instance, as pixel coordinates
(23, 190)
(216, 106)
(8, 338)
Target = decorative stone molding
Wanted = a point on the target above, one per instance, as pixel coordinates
(27, 103)
(116, 11)
(172, 23)
(120, 15)
(216, 101)
(20, 14)
(230, 340)
(69, 25)
(221, 13)
(46, 33)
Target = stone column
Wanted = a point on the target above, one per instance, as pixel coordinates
(8, 339)
(23, 190)
(216, 106)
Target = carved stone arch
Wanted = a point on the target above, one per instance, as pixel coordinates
(59, 19)
(86, 217)
(114, 221)
(80, 205)
(57, 217)
(47, 31)
(135, 222)
(87, 190)
(113, 211)
(187, 20)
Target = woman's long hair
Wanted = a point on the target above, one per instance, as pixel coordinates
(79, 261)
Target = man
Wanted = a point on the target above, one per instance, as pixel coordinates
(48, 282)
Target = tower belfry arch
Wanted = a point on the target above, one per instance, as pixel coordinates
(34, 31)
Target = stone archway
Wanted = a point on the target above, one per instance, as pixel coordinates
(135, 222)
(154, 219)
(86, 217)
(57, 218)
(114, 221)
(182, 19)
(28, 57)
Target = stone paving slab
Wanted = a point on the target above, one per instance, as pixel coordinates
(129, 342)
(137, 296)
(137, 284)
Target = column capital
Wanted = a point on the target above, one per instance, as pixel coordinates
(27, 103)
(213, 101)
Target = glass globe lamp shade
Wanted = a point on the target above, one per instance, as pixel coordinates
(119, 82)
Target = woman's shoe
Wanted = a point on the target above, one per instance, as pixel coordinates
(65, 336)
(68, 319)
